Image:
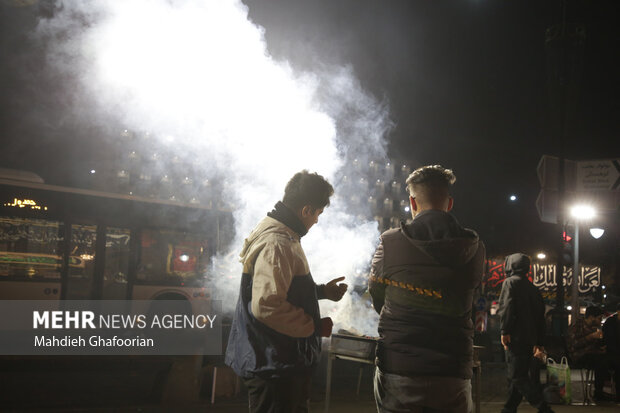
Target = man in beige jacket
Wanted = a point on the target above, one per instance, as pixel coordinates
(275, 339)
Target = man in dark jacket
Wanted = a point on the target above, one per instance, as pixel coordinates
(275, 338)
(422, 281)
(587, 348)
(611, 337)
(522, 319)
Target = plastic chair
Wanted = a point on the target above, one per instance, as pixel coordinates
(587, 382)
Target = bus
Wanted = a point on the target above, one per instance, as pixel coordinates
(61, 243)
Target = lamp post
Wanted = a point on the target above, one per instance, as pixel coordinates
(578, 212)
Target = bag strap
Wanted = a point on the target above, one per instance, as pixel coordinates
(550, 361)
(564, 361)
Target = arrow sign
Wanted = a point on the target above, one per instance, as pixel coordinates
(548, 172)
(601, 175)
(547, 206)
(595, 181)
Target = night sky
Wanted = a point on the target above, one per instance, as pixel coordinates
(466, 81)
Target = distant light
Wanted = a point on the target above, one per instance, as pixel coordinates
(569, 308)
(597, 232)
(513, 198)
(541, 256)
(92, 171)
(184, 257)
(407, 209)
(604, 295)
(603, 287)
(582, 212)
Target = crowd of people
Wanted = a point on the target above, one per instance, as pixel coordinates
(422, 281)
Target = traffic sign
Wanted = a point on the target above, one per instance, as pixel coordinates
(547, 206)
(596, 182)
(599, 175)
(548, 171)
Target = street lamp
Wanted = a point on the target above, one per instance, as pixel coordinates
(541, 256)
(597, 232)
(579, 213)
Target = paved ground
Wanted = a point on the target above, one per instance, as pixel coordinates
(344, 398)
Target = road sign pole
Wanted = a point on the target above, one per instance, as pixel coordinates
(559, 273)
(576, 273)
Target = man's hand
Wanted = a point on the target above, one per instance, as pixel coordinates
(596, 335)
(505, 341)
(334, 291)
(326, 327)
(540, 354)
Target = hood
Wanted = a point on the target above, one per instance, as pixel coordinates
(439, 235)
(517, 264)
(254, 243)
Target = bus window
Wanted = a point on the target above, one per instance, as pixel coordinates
(172, 258)
(30, 251)
(81, 261)
(116, 264)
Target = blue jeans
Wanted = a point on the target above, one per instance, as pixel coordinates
(403, 394)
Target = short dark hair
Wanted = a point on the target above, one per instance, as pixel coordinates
(431, 183)
(593, 311)
(307, 188)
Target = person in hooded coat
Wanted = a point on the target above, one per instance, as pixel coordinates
(522, 323)
(422, 282)
(275, 338)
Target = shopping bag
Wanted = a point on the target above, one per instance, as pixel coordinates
(559, 379)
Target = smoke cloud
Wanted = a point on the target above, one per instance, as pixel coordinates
(198, 76)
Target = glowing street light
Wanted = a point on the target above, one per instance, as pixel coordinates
(541, 256)
(513, 198)
(582, 212)
(597, 232)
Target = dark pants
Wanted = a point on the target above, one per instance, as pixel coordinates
(279, 395)
(600, 363)
(614, 363)
(401, 394)
(523, 381)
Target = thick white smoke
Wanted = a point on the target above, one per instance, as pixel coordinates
(198, 75)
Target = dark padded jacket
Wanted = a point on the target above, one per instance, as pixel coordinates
(422, 281)
(611, 335)
(521, 306)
